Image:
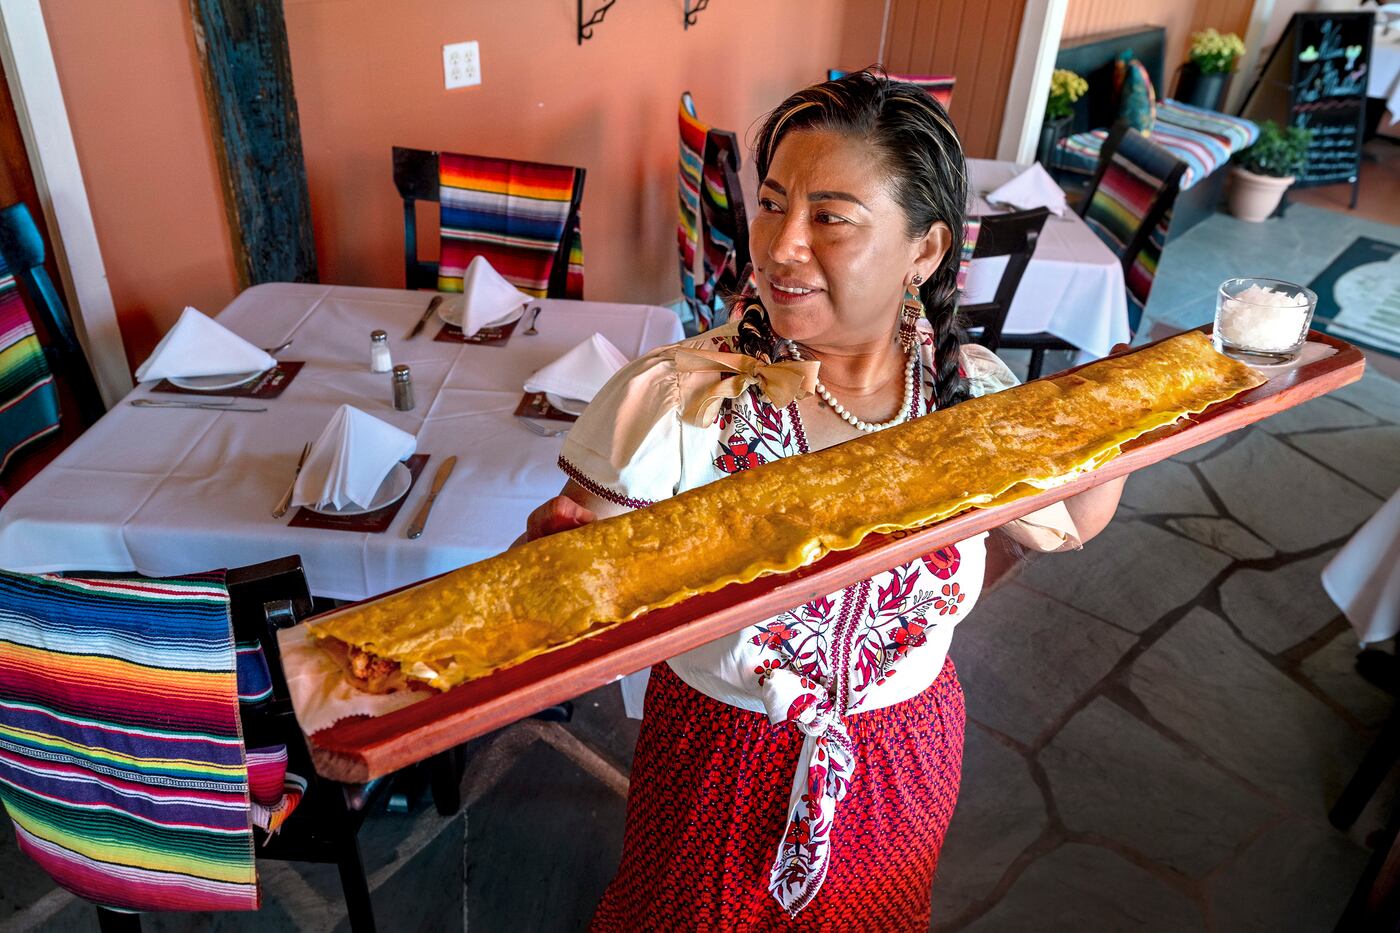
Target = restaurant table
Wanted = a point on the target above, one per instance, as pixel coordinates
(1364, 578)
(164, 491)
(1072, 287)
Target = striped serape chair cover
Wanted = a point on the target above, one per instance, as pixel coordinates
(121, 761)
(1203, 139)
(29, 409)
(1130, 209)
(692, 153)
(523, 217)
(972, 226)
(939, 87)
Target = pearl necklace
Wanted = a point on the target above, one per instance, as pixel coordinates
(900, 417)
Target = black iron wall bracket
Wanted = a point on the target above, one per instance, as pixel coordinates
(585, 27)
(692, 11)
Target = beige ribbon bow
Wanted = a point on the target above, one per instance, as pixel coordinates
(709, 377)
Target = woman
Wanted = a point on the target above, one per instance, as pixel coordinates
(801, 773)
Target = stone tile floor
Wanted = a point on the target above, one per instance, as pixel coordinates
(1159, 724)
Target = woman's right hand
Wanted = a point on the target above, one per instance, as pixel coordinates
(558, 514)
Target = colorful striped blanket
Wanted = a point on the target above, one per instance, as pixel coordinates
(121, 761)
(28, 397)
(1203, 139)
(516, 214)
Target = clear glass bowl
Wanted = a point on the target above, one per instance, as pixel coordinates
(1263, 322)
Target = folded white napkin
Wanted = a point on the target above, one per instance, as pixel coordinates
(488, 299)
(350, 459)
(581, 372)
(200, 346)
(1032, 188)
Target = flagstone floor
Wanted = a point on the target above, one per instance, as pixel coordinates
(1158, 724)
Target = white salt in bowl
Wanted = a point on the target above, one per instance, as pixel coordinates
(1262, 321)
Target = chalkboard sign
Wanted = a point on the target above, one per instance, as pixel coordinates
(1316, 78)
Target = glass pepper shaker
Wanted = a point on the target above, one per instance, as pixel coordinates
(379, 359)
(403, 388)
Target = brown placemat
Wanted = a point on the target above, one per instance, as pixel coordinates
(272, 384)
(372, 522)
(487, 336)
(535, 405)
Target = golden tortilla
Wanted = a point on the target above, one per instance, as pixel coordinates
(998, 448)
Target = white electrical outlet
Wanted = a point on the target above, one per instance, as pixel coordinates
(461, 65)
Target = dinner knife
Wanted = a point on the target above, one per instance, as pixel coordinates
(423, 321)
(421, 519)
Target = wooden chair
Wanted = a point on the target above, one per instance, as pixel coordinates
(417, 177)
(264, 598)
(1013, 235)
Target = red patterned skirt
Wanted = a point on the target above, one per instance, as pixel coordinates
(708, 805)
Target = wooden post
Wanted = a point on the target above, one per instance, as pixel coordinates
(248, 83)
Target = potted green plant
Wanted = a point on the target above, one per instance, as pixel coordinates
(1066, 87)
(1264, 171)
(1206, 75)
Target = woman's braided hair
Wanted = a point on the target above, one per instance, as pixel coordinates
(924, 162)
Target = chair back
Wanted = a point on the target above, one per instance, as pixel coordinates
(121, 764)
(713, 222)
(22, 256)
(29, 405)
(523, 217)
(939, 87)
(689, 169)
(1013, 235)
(1129, 207)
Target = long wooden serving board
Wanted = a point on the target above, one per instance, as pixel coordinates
(357, 750)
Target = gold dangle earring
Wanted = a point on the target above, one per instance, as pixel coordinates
(910, 312)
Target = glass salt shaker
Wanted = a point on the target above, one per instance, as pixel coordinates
(403, 388)
(379, 358)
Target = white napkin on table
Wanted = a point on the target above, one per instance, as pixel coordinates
(488, 298)
(1031, 189)
(350, 459)
(581, 372)
(200, 346)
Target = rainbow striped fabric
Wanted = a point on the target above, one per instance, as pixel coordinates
(1129, 187)
(939, 87)
(121, 762)
(516, 214)
(972, 226)
(692, 147)
(1203, 139)
(28, 397)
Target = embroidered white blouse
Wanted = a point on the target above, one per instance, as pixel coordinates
(835, 656)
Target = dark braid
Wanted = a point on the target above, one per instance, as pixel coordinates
(924, 161)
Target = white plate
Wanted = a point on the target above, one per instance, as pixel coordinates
(211, 383)
(394, 488)
(452, 310)
(572, 406)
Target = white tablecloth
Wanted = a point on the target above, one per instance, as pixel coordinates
(1073, 286)
(168, 491)
(1384, 80)
(1364, 578)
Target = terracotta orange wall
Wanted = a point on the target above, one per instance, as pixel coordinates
(368, 76)
(1180, 18)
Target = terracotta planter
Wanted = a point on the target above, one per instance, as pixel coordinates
(1255, 197)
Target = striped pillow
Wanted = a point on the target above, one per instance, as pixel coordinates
(28, 396)
(121, 762)
(516, 214)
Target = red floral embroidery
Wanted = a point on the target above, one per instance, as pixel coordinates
(766, 669)
(740, 456)
(944, 562)
(947, 604)
(775, 634)
(909, 633)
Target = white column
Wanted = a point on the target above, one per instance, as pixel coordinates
(1041, 25)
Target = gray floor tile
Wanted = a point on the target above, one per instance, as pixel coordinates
(1080, 887)
(1000, 812)
(1203, 683)
(1106, 578)
(1025, 660)
(1276, 609)
(1113, 775)
(1297, 876)
(1166, 487)
(1370, 456)
(1333, 669)
(1300, 506)
(1325, 412)
(1375, 394)
(1222, 534)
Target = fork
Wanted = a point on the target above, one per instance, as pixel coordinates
(536, 311)
(542, 432)
(286, 500)
(273, 351)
